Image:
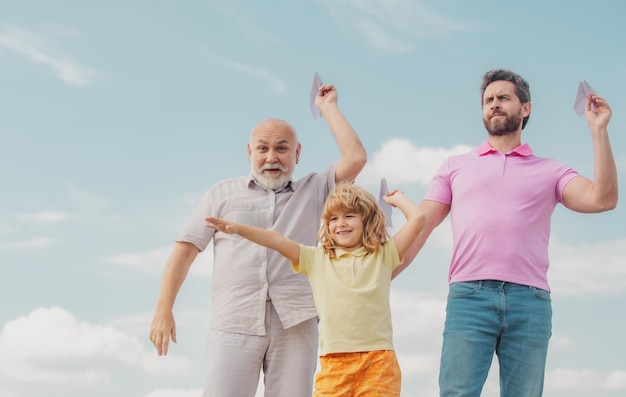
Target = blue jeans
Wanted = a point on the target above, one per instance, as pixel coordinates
(483, 317)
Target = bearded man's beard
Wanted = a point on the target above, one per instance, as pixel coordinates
(271, 182)
(501, 127)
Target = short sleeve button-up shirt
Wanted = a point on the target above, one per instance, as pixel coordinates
(246, 275)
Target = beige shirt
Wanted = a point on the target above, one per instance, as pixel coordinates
(246, 275)
(352, 296)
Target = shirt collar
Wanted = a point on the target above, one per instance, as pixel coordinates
(252, 181)
(522, 150)
(339, 252)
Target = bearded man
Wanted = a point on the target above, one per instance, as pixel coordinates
(500, 198)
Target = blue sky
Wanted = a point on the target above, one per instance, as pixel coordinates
(116, 116)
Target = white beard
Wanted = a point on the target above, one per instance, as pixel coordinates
(271, 183)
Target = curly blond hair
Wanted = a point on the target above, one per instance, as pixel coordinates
(348, 197)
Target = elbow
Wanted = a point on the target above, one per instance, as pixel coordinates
(610, 201)
(350, 165)
(421, 220)
(607, 204)
(611, 205)
(361, 164)
(360, 159)
(357, 163)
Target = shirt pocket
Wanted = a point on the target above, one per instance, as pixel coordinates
(243, 213)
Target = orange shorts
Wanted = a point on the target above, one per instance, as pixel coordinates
(374, 373)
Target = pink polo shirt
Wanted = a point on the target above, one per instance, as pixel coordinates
(500, 210)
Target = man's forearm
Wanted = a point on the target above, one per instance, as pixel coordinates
(174, 274)
(605, 187)
(353, 155)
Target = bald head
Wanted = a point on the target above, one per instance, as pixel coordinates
(274, 151)
(276, 126)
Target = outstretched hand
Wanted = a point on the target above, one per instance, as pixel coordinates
(597, 111)
(220, 225)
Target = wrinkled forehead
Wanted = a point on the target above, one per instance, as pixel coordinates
(273, 131)
(499, 88)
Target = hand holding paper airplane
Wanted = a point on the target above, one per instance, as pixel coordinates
(321, 94)
(584, 90)
(600, 111)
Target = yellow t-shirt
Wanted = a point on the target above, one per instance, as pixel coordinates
(351, 295)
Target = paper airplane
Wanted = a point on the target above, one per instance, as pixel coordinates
(584, 90)
(385, 206)
(317, 83)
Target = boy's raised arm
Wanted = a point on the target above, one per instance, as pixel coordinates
(414, 220)
(265, 237)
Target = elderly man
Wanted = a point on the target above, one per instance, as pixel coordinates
(262, 315)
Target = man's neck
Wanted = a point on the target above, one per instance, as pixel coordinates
(506, 143)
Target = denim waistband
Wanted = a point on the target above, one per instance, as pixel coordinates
(497, 283)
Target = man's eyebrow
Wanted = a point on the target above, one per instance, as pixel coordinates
(497, 95)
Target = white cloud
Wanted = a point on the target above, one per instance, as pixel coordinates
(43, 217)
(392, 25)
(400, 161)
(136, 324)
(418, 315)
(560, 341)
(37, 49)
(418, 324)
(50, 349)
(584, 379)
(616, 380)
(588, 268)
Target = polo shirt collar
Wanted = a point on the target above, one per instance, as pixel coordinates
(339, 252)
(522, 150)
